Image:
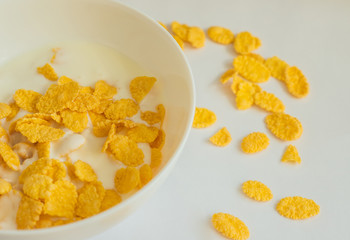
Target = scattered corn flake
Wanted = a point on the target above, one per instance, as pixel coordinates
(220, 35)
(28, 212)
(126, 150)
(159, 141)
(75, 121)
(181, 30)
(5, 110)
(83, 102)
(84, 171)
(230, 226)
(257, 191)
(156, 157)
(9, 156)
(284, 126)
(255, 142)
(142, 133)
(140, 87)
(145, 174)
(221, 138)
(43, 149)
(269, 102)
(296, 82)
(251, 69)
(104, 91)
(245, 42)
(179, 41)
(90, 199)
(126, 179)
(48, 72)
(5, 186)
(297, 208)
(57, 97)
(14, 110)
(40, 133)
(163, 25)
(227, 75)
(291, 155)
(23, 150)
(63, 80)
(277, 68)
(196, 37)
(61, 199)
(245, 96)
(203, 118)
(53, 58)
(111, 199)
(111, 135)
(37, 186)
(102, 106)
(121, 109)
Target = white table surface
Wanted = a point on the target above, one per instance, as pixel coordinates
(313, 35)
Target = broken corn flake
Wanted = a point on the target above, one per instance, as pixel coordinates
(179, 41)
(226, 76)
(245, 42)
(126, 150)
(102, 106)
(245, 96)
(84, 172)
(230, 226)
(43, 149)
(296, 82)
(111, 199)
(291, 155)
(142, 133)
(37, 186)
(5, 186)
(221, 138)
(28, 212)
(121, 109)
(75, 121)
(255, 142)
(27, 99)
(297, 208)
(111, 135)
(48, 72)
(53, 58)
(156, 157)
(126, 179)
(220, 35)
(90, 199)
(277, 67)
(44, 221)
(5, 110)
(104, 91)
(257, 191)
(284, 126)
(61, 199)
(181, 30)
(14, 110)
(159, 141)
(269, 102)
(151, 117)
(203, 118)
(83, 102)
(251, 69)
(145, 174)
(9, 156)
(102, 128)
(196, 37)
(39, 133)
(140, 86)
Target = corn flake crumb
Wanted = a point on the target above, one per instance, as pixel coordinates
(296, 82)
(222, 138)
(257, 191)
(37, 186)
(220, 35)
(163, 25)
(126, 179)
(9, 156)
(245, 42)
(297, 208)
(291, 155)
(5, 110)
(104, 91)
(255, 142)
(126, 150)
(284, 126)
(111, 199)
(5, 186)
(203, 118)
(48, 72)
(230, 226)
(140, 87)
(121, 109)
(251, 69)
(277, 68)
(84, 171)
(269, 102)
(28, 212)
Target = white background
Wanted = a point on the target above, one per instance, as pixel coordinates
(313, 35)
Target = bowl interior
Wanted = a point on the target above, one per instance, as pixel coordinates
(26, 25)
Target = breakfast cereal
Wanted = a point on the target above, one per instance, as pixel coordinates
(230, 226)
(296, 82)
(269, 102)
(245, 42)
(255, 142)
(48, 72)
(277, 68)
(297, 208)
(291, 155)
(284, 126)
(27, 99)
(245, 96)
(257, 191)
(203, 118)
(221, 138)
(220, 35)
(251, 69)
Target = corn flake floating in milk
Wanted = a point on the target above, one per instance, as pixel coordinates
(83, 102)
(5, 110)
(221, 138)
(9, 156)
(145, 174)
(104, 91)
(5, 186)
(257, 190)
(220, 35)
(40, 133)
(255, 142)
(43, 149)
(28, 212)
(75, 121)
(203, 118)
(291, 155)
(14, 110)
(142, 133)
(140, 87)
(269, 102)
(156, 157)
(284, 126)
(126, 179)
(37, 186)
(111, 199)
(154, 117)
(48, 72)
(84, 171)
(27, 99)
(251, 69)
(121, 109)
(230, 226)
(90, 199)
(297, 208)
(245, 42)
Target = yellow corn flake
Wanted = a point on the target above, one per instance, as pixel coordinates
(9, 156)
(102, 106)
(37, 186)
(53, 58)
(145, 174)
(84, 171)
(56, 117)
(75, 121)
(63, 80)
(104, 91)
(48, 72)
(111, 135)
(256, 56)
(203, 118)
(269, 102)
(3, 134)
(39, 133)
(163, 25)
(61, 222)
(5, 110)
(150, 117)
(220, 35)
(27, 99)
(251, 69)
(83, 102)
(284, 126)
(101, 129)
(121, 109)
(31, 120)
(90, 199)
(159, 141)
(296, 82)
(28, 213)
(111, 199)
(238, 80)
(297, 208)
(58, 170)
(196, 37)
(230, 226)
(126, 179)
(277, 68)
(142, 133)
(255, 142)
(161, 111)
(88, 90)
(14, 110)
(126, 150)
(179, 41)
(257, 191)
(5, 186)
(45, 221)
(227, 75)
(61, 199)
(43, 149)
(156, 157)
(245, 96)
(42, 116)
(181, 30)
(291, 155)
(57, 97)
(245, 42)
(221, 138)
(140, 87)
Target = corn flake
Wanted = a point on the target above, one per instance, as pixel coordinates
(245, 42)
(3, 135)
(245, 96)
(179, 41)
(9, 156)
(53, 58)
(37, 186)
(256, 56)
(181, 30)
(5, 186)
(277, 68)
(14, 110)
(230, 226)
(145, 174)
(40, 133)
(221, 138)
(121, 109)
(296, 82)
(5, 110)
(75, 121)
(284, 126)
(63, 80)
(297, 208)
(104, 91)
(126, 179)
(142, 133)
(220, 35)
(269, 102)
(257, 191)
(111, 135)
(28, 213)
(45, 221)
(111, 199)
(156, 157)
(196, 37)
(140, 87)
(150, 117)
(251, 69)
(84, 171)
(126, 150)
(90, 199)
(255, 142)
(48, 72)
(291, 155)
(83, 102)
(27, 99)
(227, 75)
(159, 141)
(43, 149)
(203, 118)
(102, 106)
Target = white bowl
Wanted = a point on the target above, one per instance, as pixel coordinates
(29, 24)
